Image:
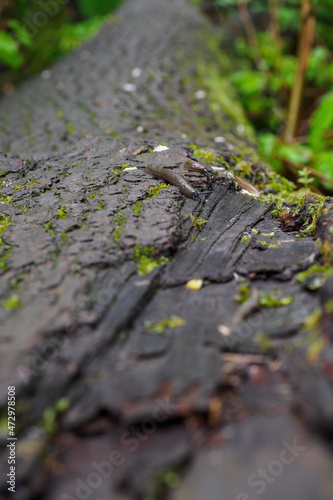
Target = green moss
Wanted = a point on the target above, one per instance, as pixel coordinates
(197, 239)
(60, 113)
(221, 95)
(319, 272)
(160, 483)
(13, 302)
(161, 326)
(312, 321)
(268, 235)
(5, 200)
(51, 414)
(246, 238)
(100, 205)
(4, 256)
(137, 208)
(5, 222)
(274, 244)
(244, 168)
(62, 212)
(329, 306)
(267, 300)
(264, 342)
(49, 227)
(205, 154)
(326, 252)
(146, 262)
(244, 293)
(120, 222)
(197, 222)
(154, 191)
(29, 183)
(70, 128)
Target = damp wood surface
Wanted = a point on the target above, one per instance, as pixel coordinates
(166, 392)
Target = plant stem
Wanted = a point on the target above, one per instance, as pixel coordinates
(311, 171)
(305, 43)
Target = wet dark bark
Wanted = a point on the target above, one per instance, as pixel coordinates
(190, 412)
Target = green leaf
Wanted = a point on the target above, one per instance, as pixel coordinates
(321, 120)
(249, 82)
(9, 51)
(21, 32)
(324, 164)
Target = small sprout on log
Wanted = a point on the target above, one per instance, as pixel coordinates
(197, 222)
(194, 285)
(160, 326)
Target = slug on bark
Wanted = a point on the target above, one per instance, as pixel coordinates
(173, 178)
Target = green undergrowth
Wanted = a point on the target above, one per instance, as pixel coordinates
(214, 76)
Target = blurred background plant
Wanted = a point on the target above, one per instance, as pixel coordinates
(35, 33)
(283, 71)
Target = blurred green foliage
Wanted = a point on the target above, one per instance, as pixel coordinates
(264, 74)
(34, 33)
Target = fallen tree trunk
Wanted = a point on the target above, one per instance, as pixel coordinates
(129, 383)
